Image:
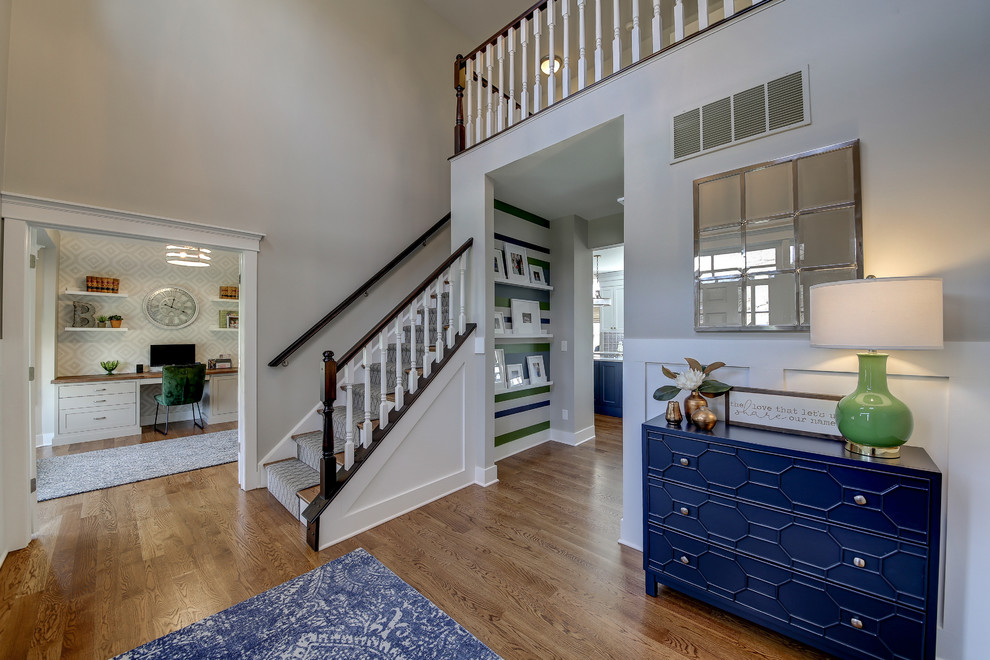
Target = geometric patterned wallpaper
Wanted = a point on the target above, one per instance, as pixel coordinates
(141, 268)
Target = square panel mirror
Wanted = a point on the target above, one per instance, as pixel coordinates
(764, 234)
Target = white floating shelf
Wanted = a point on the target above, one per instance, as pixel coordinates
(225, 329)
(73, 292)
(527, 285)
(527, 386)
(226, 300)
(96, 329)
(518, 339)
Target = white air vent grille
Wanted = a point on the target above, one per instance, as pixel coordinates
(687, 133)
(776, 105)
(716, 123)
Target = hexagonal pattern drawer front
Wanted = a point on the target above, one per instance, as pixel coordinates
(861, 625)
(877, 565)
(890, 504)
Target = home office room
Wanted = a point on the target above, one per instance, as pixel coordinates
(136, 342)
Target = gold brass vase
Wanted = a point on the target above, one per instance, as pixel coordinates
(704, 419)
(692, 403)
(674, 413)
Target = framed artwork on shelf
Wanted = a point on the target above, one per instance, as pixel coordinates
(514, 375)
(498, 264)
(517, 263)
(233, 321)
(498, 324)
(499, 377)
(500, 357)
(537, 372)
(525, 317)
(226, 314)
(536, 275)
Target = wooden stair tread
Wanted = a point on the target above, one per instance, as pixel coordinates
(307, 495)
(283, 460)
(419, 370)
(374, 424)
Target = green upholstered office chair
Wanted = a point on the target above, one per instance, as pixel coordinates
(181, 385)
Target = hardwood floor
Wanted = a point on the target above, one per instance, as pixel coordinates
(148, 434)
(530, 565)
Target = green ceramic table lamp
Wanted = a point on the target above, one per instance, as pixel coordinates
(903, 313)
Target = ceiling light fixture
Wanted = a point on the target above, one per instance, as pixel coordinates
(545, 64)
(187, 255)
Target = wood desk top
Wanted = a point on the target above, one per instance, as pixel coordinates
(100, 378)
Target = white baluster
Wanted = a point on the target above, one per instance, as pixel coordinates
(462, 318)
(565, 78)
(349, 418)
(537, 90)
(479, 124)
(657, 25)
(399, 390)
(599, 54)
(491, 92)
(469, 125)
(635, 34)
(552, 78)
(729, 7)
(582, 60)
(512, 77)
(366, 366)
(450, 307)
(678, 20)
(616, 37)
(702, 14)
(524, 97)
(383, 380)
(427, 338)
(500, 119)
(439, 335)
(413, 323)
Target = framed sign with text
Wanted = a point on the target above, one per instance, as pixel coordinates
(777, 410)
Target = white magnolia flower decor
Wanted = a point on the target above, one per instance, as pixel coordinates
(696, 379)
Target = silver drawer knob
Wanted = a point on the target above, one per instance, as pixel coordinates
(684, 461)
(684, 510)
(859, 562)
(856, 623)
(685, 560)
(860, 500)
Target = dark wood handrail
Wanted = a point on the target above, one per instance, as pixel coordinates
(349, 355)
(281, 358)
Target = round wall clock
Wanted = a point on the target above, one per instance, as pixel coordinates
(171, 307)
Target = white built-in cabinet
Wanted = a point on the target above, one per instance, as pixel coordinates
(612, 316)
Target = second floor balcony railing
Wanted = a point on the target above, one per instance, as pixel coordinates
(561, 47)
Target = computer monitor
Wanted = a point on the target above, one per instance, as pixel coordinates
(165, 354)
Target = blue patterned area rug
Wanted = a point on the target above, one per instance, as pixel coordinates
(351, 607)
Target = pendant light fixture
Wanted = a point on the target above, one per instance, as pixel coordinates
(598, 301)
(187, 255)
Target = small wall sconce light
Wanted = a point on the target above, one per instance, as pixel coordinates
(545, 64)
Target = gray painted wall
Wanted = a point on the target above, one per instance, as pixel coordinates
(285, 118)
(606, 232)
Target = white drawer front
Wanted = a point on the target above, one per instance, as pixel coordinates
(90, 420)
(96, 401)
(93, 389)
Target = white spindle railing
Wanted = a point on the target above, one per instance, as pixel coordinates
(349, 418)
(399, 376)
(383, 378)
(366, 426)
(426, 332)
(494, 94)
(413, 325)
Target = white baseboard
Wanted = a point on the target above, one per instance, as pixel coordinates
(43, 439)
(573, 439)
(486, 476)
(87, 436)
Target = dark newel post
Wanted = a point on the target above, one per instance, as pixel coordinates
(459, 134)
(328, 466)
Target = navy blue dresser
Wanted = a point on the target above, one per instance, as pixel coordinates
(795, 534)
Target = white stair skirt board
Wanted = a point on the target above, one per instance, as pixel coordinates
(522, 444)
(286, 448)
(573, 439)
(424, 457)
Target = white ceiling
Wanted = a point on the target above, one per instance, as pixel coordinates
(580, 176)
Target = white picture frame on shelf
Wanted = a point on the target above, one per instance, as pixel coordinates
(525, 317)
(537, 371)
(498, 324)
(514, 375)
(498, 264)
(536, 275)
(517, 264)
(500, 357)
(499, 373)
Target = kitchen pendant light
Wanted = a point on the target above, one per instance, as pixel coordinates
(598, 300)
(187, 255)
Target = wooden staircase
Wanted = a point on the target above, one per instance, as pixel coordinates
(383, 375)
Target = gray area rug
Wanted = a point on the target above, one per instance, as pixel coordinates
(60, 476)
